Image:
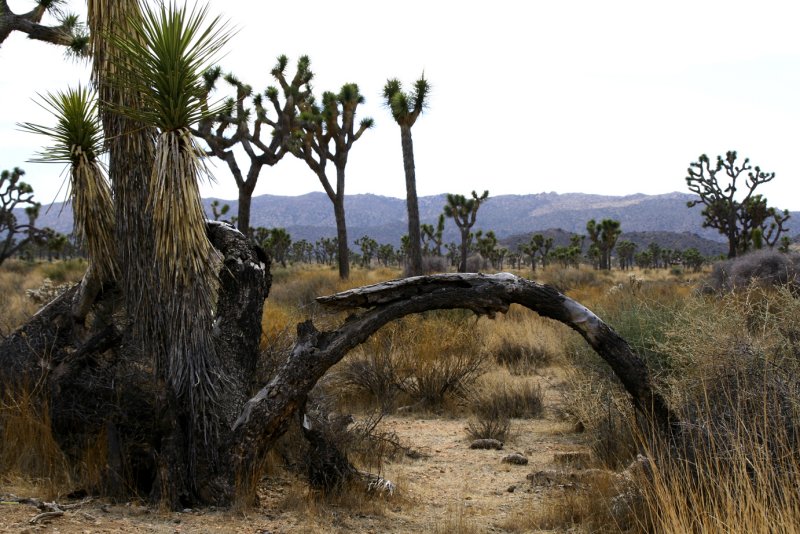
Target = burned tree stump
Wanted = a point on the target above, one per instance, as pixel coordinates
(99, 388)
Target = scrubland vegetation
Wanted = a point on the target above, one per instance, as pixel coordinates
(726, 359)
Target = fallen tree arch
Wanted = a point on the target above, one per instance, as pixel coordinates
(485, 294)
(96, 381)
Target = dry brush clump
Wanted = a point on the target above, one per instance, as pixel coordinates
(730, 365)
(523, 341)
(763, 268)
(28, 448)
(428, 362)
(735, 466)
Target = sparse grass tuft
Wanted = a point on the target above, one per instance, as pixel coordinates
(428, 362)
(522, 399)
(484, 426)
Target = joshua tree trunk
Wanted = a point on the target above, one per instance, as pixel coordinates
(245, 201)
(414, 249)
(341, 225)
(462, 266)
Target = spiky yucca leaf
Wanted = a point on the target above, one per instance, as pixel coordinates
(93, 212)
(167, 53)
(78, 142)
(77, 126)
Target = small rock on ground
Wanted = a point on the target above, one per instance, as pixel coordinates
(515, 459)
(486, 444)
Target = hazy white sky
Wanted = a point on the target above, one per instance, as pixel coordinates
(613, 97)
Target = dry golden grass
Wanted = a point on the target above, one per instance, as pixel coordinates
(579, 508)
(28, 449)
(737, 466)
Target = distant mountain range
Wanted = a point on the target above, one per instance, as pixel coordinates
(310, 216)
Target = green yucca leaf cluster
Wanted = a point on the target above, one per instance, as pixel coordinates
(167, 55)
(405, 107)
(78, 141)
(77, 133)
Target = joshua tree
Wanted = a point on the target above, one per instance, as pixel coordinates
(218, 211)
(276, 241)
(464, 211)
(236, 116)
(78, 142)
(368, 247)
(739, 218)
(326, 250)
(432, 238)
(603, 237)
(537, 245)
(386, 254)
(626, 251)
(692, 259)
(655, 253)
(131, 152)
(14, 235)
(326, 133)
(405, 108)
(165, 50)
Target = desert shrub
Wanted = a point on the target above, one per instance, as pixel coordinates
(520, 400)
(434, 264)
(603, 411)
(488, 427)
(763, 268)
(428, 361)
(578, 507)
(521, 357)
(451, 376)
(18, 266)
(27, 446)
(477, 263)
(734, 469)
(734, 381)
(373, 373)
